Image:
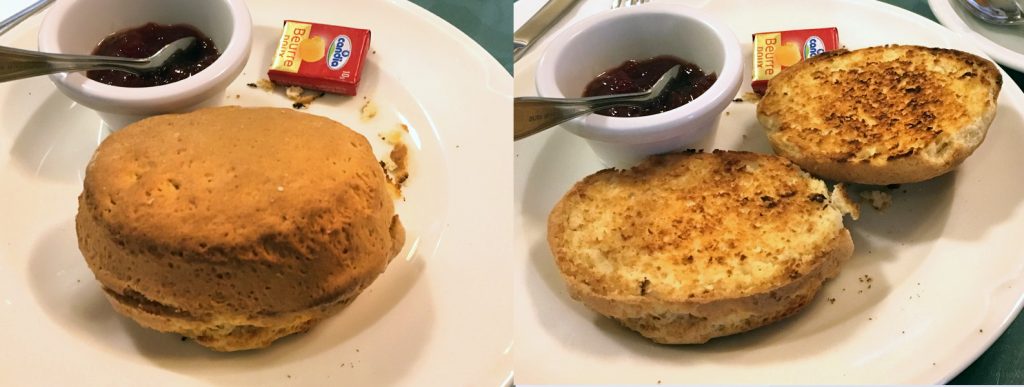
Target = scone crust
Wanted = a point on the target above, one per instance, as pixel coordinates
(687, 247)
(235, 220)
(881, 115)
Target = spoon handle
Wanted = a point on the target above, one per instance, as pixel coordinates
(533, 114)
(16, 63)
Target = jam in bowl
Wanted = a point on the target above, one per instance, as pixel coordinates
(640, 75)
(146, 40)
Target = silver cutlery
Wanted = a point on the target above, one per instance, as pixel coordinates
(627, 3)
(17, 63)
(1000, 12)
(532, 115)
(527, 35)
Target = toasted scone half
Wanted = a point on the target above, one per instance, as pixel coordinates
(881, 115)
(690, 246)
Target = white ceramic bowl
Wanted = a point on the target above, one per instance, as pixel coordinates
(77, 26)
(606, 40)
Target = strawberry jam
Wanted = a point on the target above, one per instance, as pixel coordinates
(144, 41)
(640, 75)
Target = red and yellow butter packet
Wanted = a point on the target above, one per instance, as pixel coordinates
(320, 57)
(775, 51)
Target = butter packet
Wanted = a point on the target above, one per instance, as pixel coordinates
(320, 57)
(775, 51)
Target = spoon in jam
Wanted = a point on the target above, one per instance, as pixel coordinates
(534, 114)
(17, 64)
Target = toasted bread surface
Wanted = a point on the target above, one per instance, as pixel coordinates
(690, 246)
(881, 115)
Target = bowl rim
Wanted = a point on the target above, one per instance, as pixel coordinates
(235, 53)
(628, 129)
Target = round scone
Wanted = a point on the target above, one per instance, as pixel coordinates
(686, 247)
(881, 115)
(235, 226)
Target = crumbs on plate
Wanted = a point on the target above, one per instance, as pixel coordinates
(880, 200)
(396, 168)
(369, 110)
(301, 98)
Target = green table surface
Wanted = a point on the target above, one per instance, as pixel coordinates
(488, 22)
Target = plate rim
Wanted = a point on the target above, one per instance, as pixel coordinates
(499, 372)
(1016, 98)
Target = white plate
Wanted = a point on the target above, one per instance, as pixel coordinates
(945, 260)
(437, 316)
(1005, 44)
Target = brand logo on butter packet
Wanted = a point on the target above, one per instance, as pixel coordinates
(340, 51)
(813, 46)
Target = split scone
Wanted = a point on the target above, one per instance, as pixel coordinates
(235, 226)
(881, 115)
(686, 247)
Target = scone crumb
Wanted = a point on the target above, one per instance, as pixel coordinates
(293, 92)
(750, 96)
(396, 167)
(394, 189)
(301, 98)
(265, 84)
(280, 188)
(393, 136)
(369, 110)
(878, 199)
(843, 202)
(399, 157)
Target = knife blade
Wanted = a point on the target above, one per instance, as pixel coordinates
(548, 15)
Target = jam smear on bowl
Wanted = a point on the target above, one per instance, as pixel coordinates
(640, 75)
(146, 40)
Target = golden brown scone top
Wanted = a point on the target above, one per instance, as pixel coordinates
(693, 227)
(878, 104)
(198, 200)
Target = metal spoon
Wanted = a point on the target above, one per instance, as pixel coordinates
(534, 114)
(999, 12)
(17, 64)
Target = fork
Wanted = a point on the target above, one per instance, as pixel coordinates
(627, 3)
